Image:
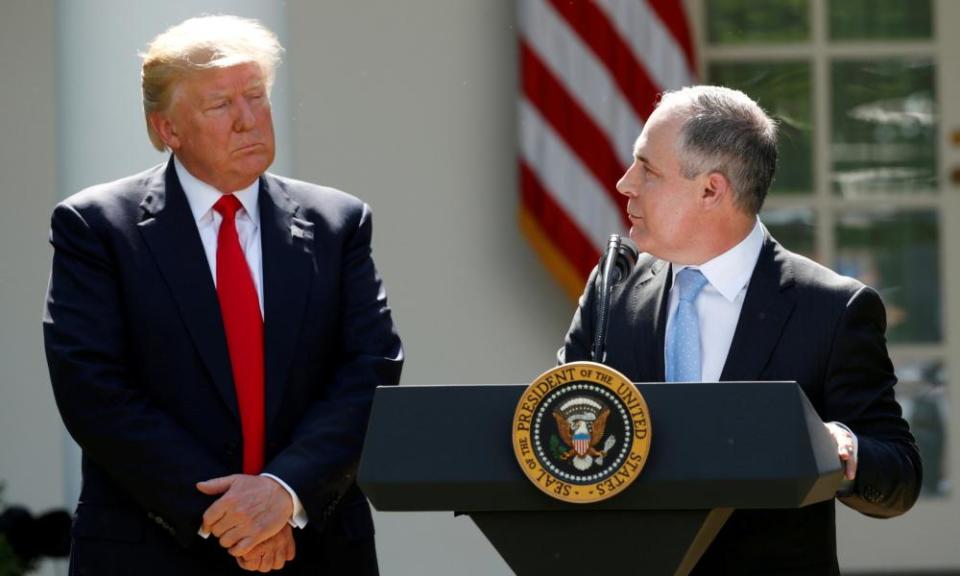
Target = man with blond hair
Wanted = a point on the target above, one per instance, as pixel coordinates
(715, 298)
(214, 335)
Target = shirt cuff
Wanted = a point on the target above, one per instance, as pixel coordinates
(299, 517)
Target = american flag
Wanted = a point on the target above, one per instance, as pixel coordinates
(581, 443)
(590, 74)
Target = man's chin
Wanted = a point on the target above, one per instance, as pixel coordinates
(642, 241)
(254, 163)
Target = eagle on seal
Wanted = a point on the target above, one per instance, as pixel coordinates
(581, 423)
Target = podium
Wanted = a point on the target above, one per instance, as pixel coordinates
(715, 447)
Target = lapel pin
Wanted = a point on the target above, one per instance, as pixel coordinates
(298, 232)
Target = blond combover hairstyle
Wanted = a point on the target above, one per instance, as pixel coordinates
(202, 43)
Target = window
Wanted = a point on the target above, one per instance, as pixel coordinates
(853, 84)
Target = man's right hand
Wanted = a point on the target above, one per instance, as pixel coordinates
(249, 511)
(272, 553)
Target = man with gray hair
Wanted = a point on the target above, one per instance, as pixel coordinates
(214, 335)
(715, 298)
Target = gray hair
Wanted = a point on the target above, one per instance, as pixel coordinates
(726, 132)
(202, 43)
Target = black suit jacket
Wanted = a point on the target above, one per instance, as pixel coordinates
(141, 373)
(799, 321)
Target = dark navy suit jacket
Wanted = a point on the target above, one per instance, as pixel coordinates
(799, 321)
(141, 373)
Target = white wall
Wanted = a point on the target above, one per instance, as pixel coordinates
(30, 437)
(410, 105)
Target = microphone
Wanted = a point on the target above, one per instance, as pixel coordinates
(615, 265)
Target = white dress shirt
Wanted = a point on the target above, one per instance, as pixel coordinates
(719, 303)
(201, 197)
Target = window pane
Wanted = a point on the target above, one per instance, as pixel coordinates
(896, 252)
(752, 22)
(884, 127)
(783, 89)
(923, 394)
(793, 228)
(880, 19)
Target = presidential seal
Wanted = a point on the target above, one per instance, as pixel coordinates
(581, 432)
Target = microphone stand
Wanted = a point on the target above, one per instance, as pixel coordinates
(604, 288)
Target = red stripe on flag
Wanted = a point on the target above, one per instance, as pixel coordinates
(672, 15)
(556, 224)
(571, 122)
(600, 35)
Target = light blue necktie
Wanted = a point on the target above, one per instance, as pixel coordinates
(683, 341)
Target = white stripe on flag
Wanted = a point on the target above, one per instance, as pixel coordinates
(569, 182)
(651, 41)
(586, 79)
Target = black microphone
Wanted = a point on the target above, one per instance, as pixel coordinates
(615, 264)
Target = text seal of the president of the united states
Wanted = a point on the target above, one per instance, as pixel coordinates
(581, 432)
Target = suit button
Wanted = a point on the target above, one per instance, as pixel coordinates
(872, 495)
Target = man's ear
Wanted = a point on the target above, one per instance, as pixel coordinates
(716, 190)
(164, 127)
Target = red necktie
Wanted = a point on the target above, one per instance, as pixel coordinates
(243, 324)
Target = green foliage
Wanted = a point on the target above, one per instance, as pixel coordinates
(783, 89)
(880, 19)
(752, 22)
(884, 125)
(557, 448)
(10, 564)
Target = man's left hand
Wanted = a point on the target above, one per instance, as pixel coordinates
(250, 510)
(271, 554)
(846, 448)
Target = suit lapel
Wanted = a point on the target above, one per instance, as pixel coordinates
(288, 265)
(650, 314)
(169, 230)
(766, 308)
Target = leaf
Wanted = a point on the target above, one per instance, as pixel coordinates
(557, 447)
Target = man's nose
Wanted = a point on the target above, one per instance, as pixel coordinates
(245, 119)
(623, 185)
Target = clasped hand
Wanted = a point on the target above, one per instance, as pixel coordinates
(250, 520)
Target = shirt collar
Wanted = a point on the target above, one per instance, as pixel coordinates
(201, 196)
(730, 271)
